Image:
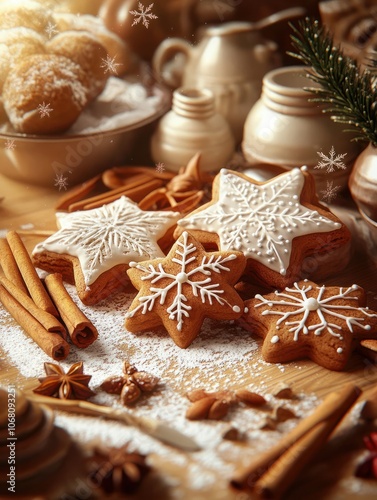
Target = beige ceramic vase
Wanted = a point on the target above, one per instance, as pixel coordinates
(192, 126)
(363, 183)
(230, 60)
(287, 129)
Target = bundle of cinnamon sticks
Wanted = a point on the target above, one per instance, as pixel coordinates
(45, 311)
(272, 473)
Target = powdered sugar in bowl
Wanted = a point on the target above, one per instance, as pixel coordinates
(105, 134)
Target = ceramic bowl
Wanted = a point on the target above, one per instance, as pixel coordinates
(70, 158)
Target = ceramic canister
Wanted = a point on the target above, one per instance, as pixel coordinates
(286, 128)
(191, 126)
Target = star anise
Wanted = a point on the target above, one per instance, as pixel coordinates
(72, 384)
(367, 468)
(131, 384)
(116, 470)
(215, 405)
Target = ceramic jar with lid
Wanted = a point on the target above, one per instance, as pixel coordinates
(191, 126)
(286, 128)
(363, 183)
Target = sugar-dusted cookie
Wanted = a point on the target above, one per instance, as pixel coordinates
(182, 289)
(279, 225)
(93, 248)
(311, 321)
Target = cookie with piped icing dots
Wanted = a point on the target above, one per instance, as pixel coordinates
(179, 291)
(321, 323)
(279, 225)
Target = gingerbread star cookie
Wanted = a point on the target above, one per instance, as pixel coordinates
(310, 321)
(279, 225)
(183, 288)
(93, 248)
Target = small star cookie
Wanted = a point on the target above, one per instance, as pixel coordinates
(183, 288)
(93, 248)
(311, 321)
(279, 225)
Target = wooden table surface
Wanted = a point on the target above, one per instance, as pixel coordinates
(24, 205)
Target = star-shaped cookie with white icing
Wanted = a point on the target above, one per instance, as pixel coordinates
(310, 321)
(182, 289)
(279, 225)
(93, 248)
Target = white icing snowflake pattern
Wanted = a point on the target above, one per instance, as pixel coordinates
(109, 65)
(143, 15)
(330, 192)
(198, 278)
(260, 220)
(116, 233)
(44, 110)
(332, 161)
(61, 182)
(297, 301)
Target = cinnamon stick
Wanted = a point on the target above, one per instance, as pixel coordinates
(286, 469)
(29, 274)
(9, 265)
(51, 343)
(80, 329)
(135, 193)
(47, 320)
(332, 408)
(77, 193)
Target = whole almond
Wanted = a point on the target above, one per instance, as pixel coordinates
(196, 394)
(283, 391)
(128, 369)
(267, 424)
(281, 414)
(199, 409)
(232, 434)
(145, 381)
(218, 410)
(113, 385)
(130, 393)
(250, 398)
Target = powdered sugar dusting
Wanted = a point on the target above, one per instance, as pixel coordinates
(223, 356)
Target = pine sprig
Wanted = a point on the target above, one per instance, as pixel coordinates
(347, 92)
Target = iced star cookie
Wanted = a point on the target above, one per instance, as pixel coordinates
(183, 288)
(93, 248)
(310, 321)
(279, 225)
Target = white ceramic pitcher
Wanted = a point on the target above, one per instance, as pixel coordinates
(230, 60)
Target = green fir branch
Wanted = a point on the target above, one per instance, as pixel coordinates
(347, 92)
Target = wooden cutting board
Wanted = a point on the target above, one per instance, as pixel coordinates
(330, 473)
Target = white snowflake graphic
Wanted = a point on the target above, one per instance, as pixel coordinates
(109, 65)
(61, 182)
(51, 29)
(198, 278)
(143, 15)
(160, 167)
(44, 109)
(332, 161)
(330, 193)
(260, 220)
(113, 234)
(10, 144)
(297, 301)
